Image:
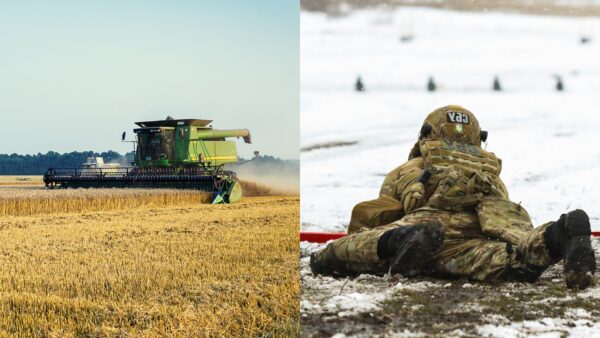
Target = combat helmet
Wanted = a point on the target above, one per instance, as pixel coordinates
(453, 123)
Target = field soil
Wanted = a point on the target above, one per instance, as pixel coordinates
(185, 270)
(393, 306)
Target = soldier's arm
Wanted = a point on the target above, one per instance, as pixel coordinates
(401, 178)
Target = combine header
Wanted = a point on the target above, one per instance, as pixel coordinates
(181, 154)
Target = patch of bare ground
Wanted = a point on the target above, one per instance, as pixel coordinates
(372, 306)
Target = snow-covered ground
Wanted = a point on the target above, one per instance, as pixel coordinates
(548, 140)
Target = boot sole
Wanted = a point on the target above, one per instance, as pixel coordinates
(580, 258)
(409, 258)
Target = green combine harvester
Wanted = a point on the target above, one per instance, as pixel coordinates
(181, 154)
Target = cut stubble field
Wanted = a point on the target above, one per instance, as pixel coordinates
(167, 267)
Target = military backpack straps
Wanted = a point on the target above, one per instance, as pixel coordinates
(440, 154)
(461, 174)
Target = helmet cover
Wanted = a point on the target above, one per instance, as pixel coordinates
(452, 123)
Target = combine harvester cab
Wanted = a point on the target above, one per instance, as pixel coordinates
(180, 154)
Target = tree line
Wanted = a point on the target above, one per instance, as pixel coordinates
(37, 164)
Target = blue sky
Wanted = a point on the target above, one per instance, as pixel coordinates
(75, 74)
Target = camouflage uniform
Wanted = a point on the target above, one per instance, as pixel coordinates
(487, 237)
(466, 251)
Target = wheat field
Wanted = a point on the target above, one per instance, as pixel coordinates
(6, 180)
(184, 269)
(29, 200)
(26, 195)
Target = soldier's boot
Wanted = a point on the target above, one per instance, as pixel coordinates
(569, 239)
(326, 263)
(409, 246)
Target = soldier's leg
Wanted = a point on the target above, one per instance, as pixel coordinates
(492, 260)
(566, 239)
(403, 246)
(351, 255)
(569, 239)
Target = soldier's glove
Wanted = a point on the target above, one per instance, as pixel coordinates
(413, 197)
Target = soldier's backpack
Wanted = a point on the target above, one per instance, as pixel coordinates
(466, 177)
(503, 219)
(461, 174)
(371, 214)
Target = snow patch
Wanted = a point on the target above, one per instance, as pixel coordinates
(590, 293)
(416, 286)
(354, 303)
(546, 327)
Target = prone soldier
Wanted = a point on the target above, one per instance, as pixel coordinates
(446, 212)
